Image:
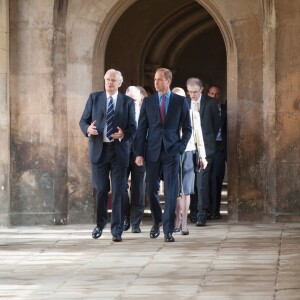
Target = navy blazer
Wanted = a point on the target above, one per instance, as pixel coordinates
(224, 127)
(124, 117)
(210, 123)
(151, 132)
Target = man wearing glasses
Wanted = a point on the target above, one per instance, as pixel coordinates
(210, 124)
(109, 121)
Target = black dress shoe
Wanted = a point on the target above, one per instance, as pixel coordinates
(185, 232)
(117, 238)
(201, 221)
(169, 237)
(136, 229)
(216, 216)
(97, 232)
(126, 224)
(155, 232)
(176, 229)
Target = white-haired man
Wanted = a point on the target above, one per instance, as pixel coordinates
(109, 121)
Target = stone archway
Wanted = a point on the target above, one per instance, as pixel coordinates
(142, 72)
(55, 63)
(183, 37)
(116, 12)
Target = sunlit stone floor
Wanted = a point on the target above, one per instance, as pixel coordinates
(219, 261)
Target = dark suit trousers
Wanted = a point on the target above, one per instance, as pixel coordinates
(134, 208)
(169, 166)
(202, 179)
(100, 175)
(217, 177)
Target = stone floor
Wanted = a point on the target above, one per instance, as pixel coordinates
(220, 261)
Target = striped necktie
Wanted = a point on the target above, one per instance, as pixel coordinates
(110, 118)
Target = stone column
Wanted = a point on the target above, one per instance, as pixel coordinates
(38, 113)
(269, 107)
(4, 114)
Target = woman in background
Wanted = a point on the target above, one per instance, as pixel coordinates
(188, 165)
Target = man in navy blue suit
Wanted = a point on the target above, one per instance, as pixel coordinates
(109, 122)
(159, 142)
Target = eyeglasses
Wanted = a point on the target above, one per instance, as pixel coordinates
(193, 92)
(110, 80)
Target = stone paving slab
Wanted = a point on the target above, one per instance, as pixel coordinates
(220, 261)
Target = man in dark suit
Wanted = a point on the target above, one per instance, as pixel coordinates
(210, 124)
(135, 200)
(159, 141)
(109, 122)
(220, 156)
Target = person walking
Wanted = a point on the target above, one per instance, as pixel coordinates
(108, 120)
(159, 141)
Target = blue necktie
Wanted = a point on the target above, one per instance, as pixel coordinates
(110, 118)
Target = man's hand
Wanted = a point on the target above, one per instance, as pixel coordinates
(118, 135)
(202, 163)
(92, 129)
(139, 160)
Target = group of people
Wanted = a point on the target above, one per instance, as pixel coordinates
(164, 136)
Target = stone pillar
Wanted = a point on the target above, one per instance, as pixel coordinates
(4, 114)
(287, 128)
(38, 113)
(269, 108)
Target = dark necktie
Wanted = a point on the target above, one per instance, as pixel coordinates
(162, 109)
(110, 118)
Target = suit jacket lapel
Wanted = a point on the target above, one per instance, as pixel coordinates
(202, 104)
(156, 105)
(102, 107)
(119, 105)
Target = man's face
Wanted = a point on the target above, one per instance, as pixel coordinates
(214, 92)
(194, 91)
(112, 83)
(161, 84)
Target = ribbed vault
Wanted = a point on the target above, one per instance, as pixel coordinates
(175, 31)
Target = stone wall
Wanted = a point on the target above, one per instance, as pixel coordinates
(287, 127)
(4, 114)
(57, 50)
(82, 27)
(33, 115)
(247, 30)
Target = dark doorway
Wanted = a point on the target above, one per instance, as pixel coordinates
(177, 34)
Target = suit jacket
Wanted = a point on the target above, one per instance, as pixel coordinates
(151, 132)
(210, 123)
(224, 127)
(124, 117)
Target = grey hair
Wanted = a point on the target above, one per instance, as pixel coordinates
(118, 73)
(135, 92)
(179, 91)
(195, 81)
